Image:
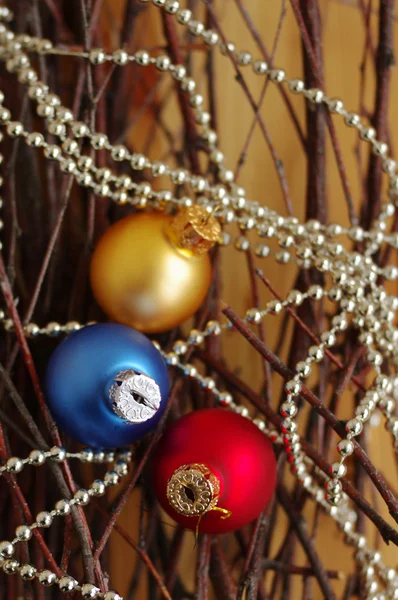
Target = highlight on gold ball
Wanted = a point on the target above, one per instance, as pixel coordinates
(152, 271)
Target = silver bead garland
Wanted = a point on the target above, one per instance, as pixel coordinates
(363, 303)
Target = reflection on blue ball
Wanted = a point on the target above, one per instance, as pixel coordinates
(80, 373)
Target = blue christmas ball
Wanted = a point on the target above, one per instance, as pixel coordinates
(107, 385)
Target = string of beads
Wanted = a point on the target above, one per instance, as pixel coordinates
(354, 276)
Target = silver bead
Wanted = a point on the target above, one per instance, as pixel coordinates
(46, 111)
(315, 95)
(362, 412)
(6, 549)
(138, 161)
(111, 478)
(89, 591)
(196, 27)
(112, 595)
(277, 75)
(260, 424)
(336, 105)
(352, 119)
(316, 353)
(103, 174)
(213, 328)
(17, 62)
(171, 358)
(98, 487)
(57, 128)
(184, 16)
(142, 58)
(296, 86)
(65, 115)
(44, 46)
(338, 469)
(72, 326)
(392, 426)
(315, 292)
(332, 499)
(44, 519)
(242, 244)
(121, 468)
(15, 129)
(253, 315)
(328, 338)
(260, 67)
(188, 85)
(14, 465)
(293, 387)
(81, 497)
(288, 409)
(62, 507)
(243, 411)
(85, 162)
(52, 152)
(67, 584)
(163, 63)
(345, 448)
(6, 14)
(295, 297)
(27, 572)
(262, 250)
(334, 487)
(47, 578)
(179, 72)
(32, 329)
(172, 6)
(52, 99)
(190, 370)
(244, 58)
(203, 118)
(180, 347)
(53, 329)
(303, 368)
(57, 453)
(210, 137)
(87, 455)
(97, 56)
(195, 336)
(120, 57)
(382, 382)
(70, 147)
(23, 533)
(98, 141)
(274, 307)
(225, 398)
(334, 294)
(379, 148)
(288, 426)
(5, 115)
(80, 129)
(37, 457)
(210, 37)
(125, 454)
(10, 566)
(208, 383)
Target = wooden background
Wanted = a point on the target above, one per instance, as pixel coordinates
(344, 39)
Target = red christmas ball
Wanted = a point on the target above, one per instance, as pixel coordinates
(209, 460)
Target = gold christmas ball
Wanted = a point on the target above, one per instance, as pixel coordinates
(152, 271)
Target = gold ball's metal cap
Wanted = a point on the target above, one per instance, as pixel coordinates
(194, 229)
